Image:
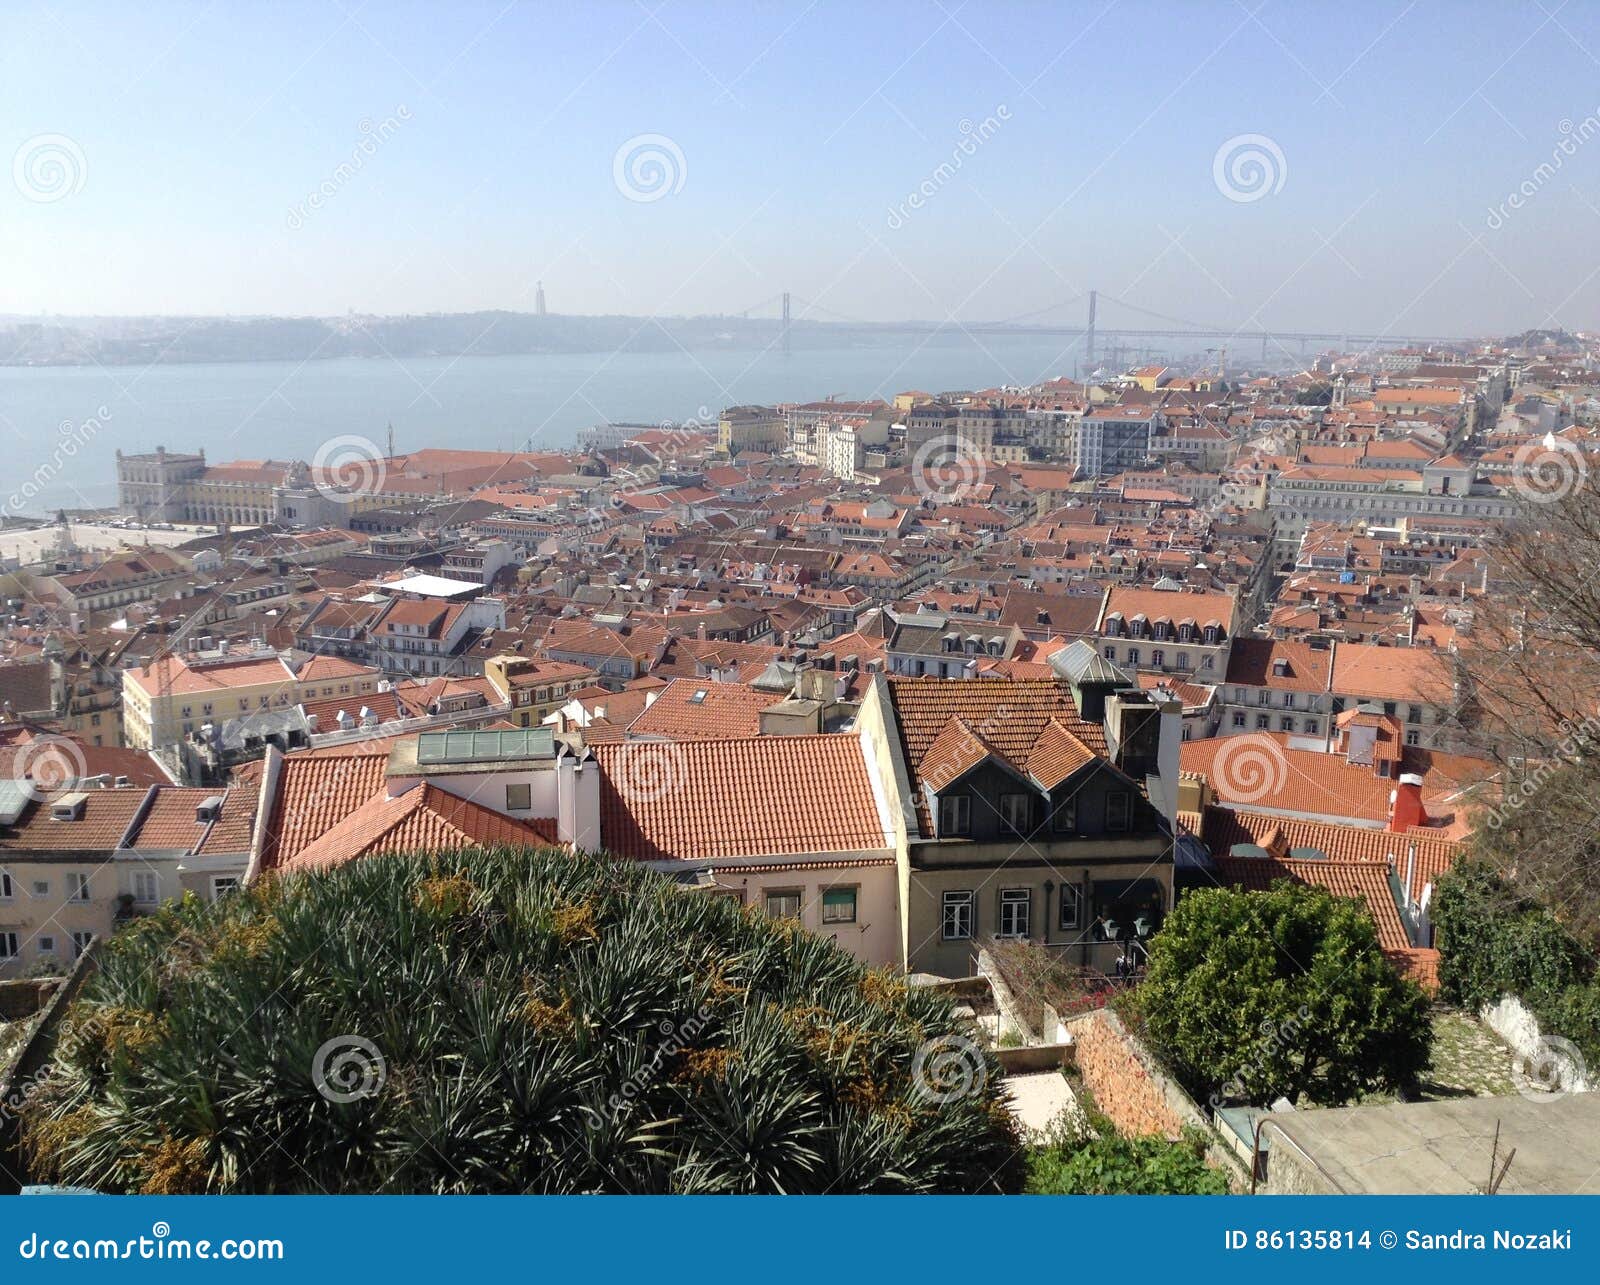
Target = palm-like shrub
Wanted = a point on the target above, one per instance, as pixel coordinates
(506, 1021)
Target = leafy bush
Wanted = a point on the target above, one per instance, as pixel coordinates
(507, 1021)
(1252, 996)
(1095, 1160)
(1493, 941)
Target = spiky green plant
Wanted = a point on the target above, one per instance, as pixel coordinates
(506, 1021)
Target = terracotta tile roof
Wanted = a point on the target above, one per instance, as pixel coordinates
(763, 796)
(1251, 662)
(1392, 673)
(1008, 715)
(170, 822)
(691, 709)
(172, 674)
(106, 817)
(1419, 964)
(1221, 828)
(423, 818)
(321, 668)
(315, 792)
(1057, 754)
(1261, 770)
(1174, 605)
(1364, 881)
(954, 752)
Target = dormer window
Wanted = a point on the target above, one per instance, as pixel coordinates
(955, 816)
(1213, 633)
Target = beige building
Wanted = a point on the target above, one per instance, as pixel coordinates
(76, 864)
(166, 700)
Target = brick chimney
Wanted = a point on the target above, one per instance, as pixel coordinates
(1405, 804)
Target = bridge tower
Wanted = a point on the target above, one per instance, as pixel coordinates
(1094, 296)
(785, 323)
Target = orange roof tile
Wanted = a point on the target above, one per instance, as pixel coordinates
(762, 796)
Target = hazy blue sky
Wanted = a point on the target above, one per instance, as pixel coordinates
(196, 135)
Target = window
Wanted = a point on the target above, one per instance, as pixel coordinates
(77, 886)
(41, 887)
(1071, 906)
(519, 797)
(1064, 820)
(955, 815)
(1413, 713)
(146, 887)
(1263, 697)
(957, 920)
(1015, 811)
(1014, 905)
(1238, 718)
(838, 905)
(80, 943)
(222, 885)
(1413, 738)
(1119, 810)
(7, 891)
(784, 904)
(1263, 721)
(1158, 657)
(8, 945)
(1286, 724)
(1133, 655)
(47, 945)
(1111, 653)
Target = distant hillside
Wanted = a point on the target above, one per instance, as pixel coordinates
(172, 340)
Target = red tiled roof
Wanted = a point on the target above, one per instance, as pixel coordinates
(1364, 881)
(170, 823)
(761, 796)
(315, 792)
(424, 818)
(689, 709)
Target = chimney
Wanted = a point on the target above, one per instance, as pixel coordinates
(1405, 804)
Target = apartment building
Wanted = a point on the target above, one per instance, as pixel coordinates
(78, 863)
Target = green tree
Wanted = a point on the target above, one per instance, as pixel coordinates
(507, 1021)
(1254, 996)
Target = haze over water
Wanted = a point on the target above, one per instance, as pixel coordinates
(286, 410)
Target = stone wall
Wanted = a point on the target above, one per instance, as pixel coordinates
(1128, 1087)
(1134, 1093)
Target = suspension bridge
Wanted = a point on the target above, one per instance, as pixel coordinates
(1096, 338)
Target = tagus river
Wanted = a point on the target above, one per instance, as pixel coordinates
(285, 410)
